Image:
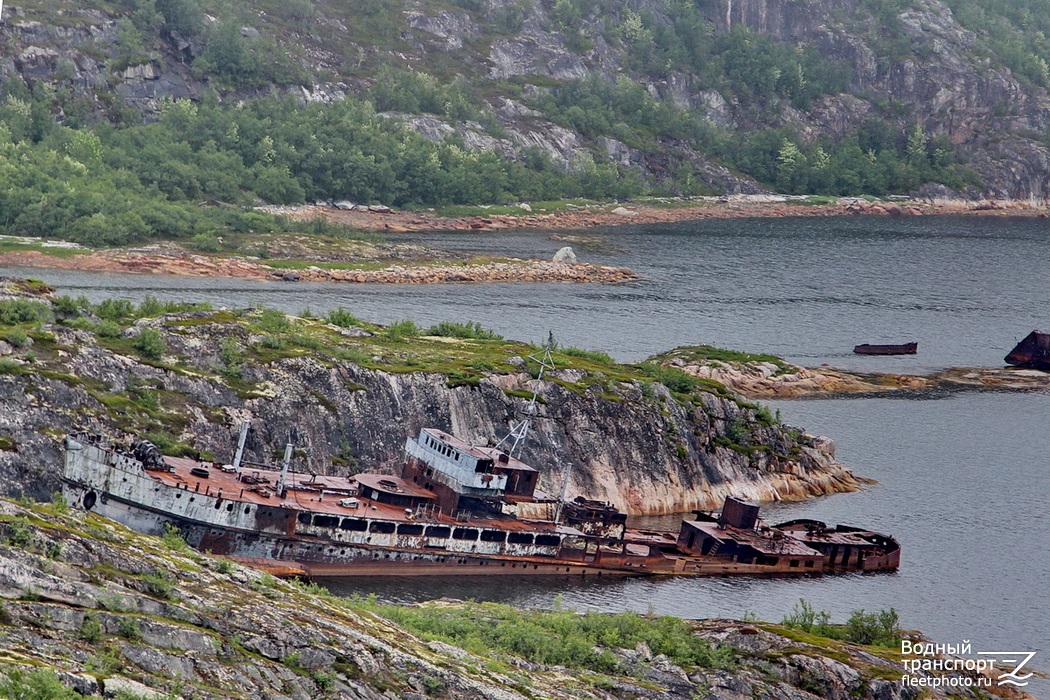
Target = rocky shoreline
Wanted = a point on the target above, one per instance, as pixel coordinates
(364, 263)
(594, 215)
(90, 607)
(782, 380)
(175, 261)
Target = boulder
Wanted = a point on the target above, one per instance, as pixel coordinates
(345, 205)
(82, 683)
(143, 71)
(565, 255)
(116, 686)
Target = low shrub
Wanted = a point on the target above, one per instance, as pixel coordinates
(21, 310)
(473, 330)
(402, 329)
(561, 637)
(343, 318)
(150, 343)
(880, 628)
(592, 355)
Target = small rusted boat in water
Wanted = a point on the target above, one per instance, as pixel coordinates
(1033, 352)
(905, 349)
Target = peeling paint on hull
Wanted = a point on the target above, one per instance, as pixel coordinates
(288, 537)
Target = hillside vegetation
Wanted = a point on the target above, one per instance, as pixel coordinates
(118, 118)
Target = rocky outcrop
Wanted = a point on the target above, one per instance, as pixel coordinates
(947, 91)
(561, 145)
(127, 613)
(767, 380)
(450, 27)
(622, 437)
(76, 57)
(108, 611)
(535, 53)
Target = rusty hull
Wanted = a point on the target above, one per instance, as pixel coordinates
(903, 349)
(1033, 352)
(323, 527)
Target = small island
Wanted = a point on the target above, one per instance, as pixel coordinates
(769, 377)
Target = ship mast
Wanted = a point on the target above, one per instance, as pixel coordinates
(240, 444)
(564, 488)
(520, 431)
(282, 489)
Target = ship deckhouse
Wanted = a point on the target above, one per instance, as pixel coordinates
(454, 469)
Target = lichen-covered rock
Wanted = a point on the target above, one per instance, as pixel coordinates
(535, 54)
(629, 441)
(252, 636)
(450, 27)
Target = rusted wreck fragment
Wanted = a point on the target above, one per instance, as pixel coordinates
(1033, 351)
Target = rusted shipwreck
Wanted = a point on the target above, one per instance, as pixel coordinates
(1033, 351)
(456, 508)
(902, 349)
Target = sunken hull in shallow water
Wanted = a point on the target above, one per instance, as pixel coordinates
(316, 526)
(1032, 352)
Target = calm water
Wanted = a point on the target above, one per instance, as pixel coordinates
(963, 478)
(807, 289)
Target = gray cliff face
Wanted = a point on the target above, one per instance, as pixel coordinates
(939, 80)
(633, 444)
(75, 58)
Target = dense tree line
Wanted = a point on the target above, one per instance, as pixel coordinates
(117, 184)
(113, 185)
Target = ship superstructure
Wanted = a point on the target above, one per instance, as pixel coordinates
(460, 473)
